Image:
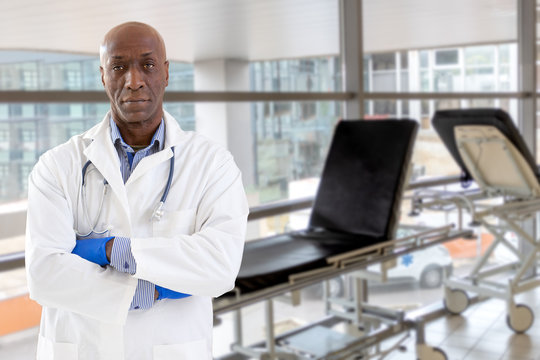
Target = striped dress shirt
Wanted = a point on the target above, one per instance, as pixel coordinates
(121, 257)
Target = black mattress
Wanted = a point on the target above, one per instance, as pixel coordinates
(270, 261)
(444, 122)
(356, 205)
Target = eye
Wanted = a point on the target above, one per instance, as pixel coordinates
(149, 66)
(118, 67)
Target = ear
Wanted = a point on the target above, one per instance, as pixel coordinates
(166, 73)
(102, 74)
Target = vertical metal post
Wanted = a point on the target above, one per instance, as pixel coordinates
(359, 297)
(270, 336)
(527, 70)
(351, 40)
(238, 327)
(527, 83)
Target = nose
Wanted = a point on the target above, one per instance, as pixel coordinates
(134, 79)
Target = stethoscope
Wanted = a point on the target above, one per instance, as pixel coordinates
(158, 211)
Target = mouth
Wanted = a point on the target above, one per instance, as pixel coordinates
(134, 101)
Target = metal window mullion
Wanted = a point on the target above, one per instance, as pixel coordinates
(398, 81)
(351, 41)
(527, 70)
(526, 39)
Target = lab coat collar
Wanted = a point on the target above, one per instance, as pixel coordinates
(173, 137)
(103, 155)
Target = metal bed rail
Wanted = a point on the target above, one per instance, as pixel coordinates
(225, 305)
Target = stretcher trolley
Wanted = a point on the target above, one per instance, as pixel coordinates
(487, 146)
(352, 225)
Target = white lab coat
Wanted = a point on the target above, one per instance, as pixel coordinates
(195, 248)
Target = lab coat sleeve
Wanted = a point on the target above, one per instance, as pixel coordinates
(206, 262)
(56, 277)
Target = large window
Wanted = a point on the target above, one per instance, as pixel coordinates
(291, 138)
(311, 75)
(27, 130)
(291, 141)
(486, 68)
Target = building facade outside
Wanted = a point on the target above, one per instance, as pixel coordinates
(290, 139)
(28, 130)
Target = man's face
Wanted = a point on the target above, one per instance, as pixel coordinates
(135, 73)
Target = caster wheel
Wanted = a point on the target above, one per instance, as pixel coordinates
(424, 352)
(520, 318)
(456, 301)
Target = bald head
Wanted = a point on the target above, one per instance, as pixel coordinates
(128, 30)
(135, 72)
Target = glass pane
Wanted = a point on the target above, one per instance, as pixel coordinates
(184, 113)
(485, 69)
(384, 81)
(480, 55)
(384, 61)
(290, 141)
(424, 59)
(33, 129)
(312, 75)
(431, 158)
(35, 70)
(404, 59)
(446, 57)
(447, 80)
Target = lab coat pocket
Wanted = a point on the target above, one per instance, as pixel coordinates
(173, 223)
(194, 350)
(50, 350)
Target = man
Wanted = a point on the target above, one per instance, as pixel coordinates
(134, 225)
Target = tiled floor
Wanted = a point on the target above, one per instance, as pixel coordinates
(480, 333)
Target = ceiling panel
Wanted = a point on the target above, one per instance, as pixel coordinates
(254, 29)
(413, 24)
(193, 29)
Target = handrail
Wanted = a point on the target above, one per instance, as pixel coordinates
(434, 181)
(11, 261)
(92, 96)
(15, 260)
(279, 207)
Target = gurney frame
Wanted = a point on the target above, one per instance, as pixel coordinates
(488, 148)
(371, 324)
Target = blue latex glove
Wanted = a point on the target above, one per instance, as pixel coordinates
(164, 293)
(93, 250)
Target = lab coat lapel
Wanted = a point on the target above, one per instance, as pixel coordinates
(173, 137)
(148, 163)
(103, 155)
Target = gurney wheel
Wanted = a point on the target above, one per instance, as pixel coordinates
(424, 352)
(456, 301)
(520, 318)
(432, 277)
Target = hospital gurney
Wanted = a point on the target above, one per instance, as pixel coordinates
(352, 225)
(489, 149)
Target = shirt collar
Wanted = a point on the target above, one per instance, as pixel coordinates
(157, 139)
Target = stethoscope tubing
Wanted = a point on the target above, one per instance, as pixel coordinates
(169, 179)
(157, 212)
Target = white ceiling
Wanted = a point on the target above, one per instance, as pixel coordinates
(254, 29)
(405, 24)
